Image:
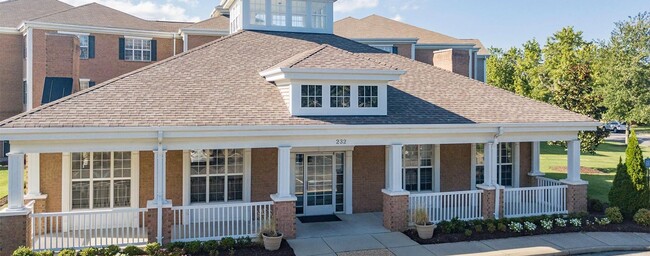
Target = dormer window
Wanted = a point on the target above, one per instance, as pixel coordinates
(299, 13)
(310, 16)
(258, 12)
(340, 96)
(279, 12)
(311, 96)
(368, 97)
(319, 14)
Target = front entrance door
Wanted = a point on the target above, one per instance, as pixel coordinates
(319, 183)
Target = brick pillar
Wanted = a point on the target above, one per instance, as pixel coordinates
(488, 201)
(15, 231)
(576, 198)
(39, 206)
(396, 212)
(152, 224)
(284, 214)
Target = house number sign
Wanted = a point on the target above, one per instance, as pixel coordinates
(341, 141)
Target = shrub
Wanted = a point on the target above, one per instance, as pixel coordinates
(211, 245)
(602, 221)
(642, 217)
(421, 217)
(90, 251)
(560, 222)
(133, 251)
(243, 242)
(478, 228)
(491, 227)
(630, 190)
(576, 222)
(468, 232)
(515, 227)
(152, 248)
(530, 226)
(23, 251)
(110, 250)
(67, 252)
(595, 205)
(45, 253)
(614, 214)
(227, 243)
(194, 247)
(175, 245)
(546, 224)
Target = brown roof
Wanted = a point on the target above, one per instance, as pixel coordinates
(218, 84)
(217, 23)
(14, 12)
(375, 26)
(478, 44)
(98, 15)
(328, 57)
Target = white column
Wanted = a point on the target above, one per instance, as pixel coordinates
(33, 175)
(159, 170)
(573, 163)
(185, 43)
(284, 175)
(534, 160)
(29, 66)
(490, 164)
(16, 181)
(395, 171)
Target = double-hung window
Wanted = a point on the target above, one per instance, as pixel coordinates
(340, 96)
(311, 96)
(84, 46)
(318, 14)
(299, 13)
(505, 164)
(101, 180)
(279, 12)
(216, 175)
(368, 97)
(136, 49)
(417, 167)
(258, 12)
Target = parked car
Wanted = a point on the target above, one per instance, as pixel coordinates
(615, 126)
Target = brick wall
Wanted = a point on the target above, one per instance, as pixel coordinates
(453, 60)
(264, 173)
(62, 59)
(13, 233)
(50, 174)
(524, 163)
(146, 178)
(175, 176)
(368, 178)
(11, 78)
(198, 40)
(404, 50)
(395, 209)
(455, 167)
(424, 55)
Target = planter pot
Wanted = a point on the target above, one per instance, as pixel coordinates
(272, 243)
(425, 231)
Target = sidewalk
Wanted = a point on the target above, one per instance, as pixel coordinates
(398, 244)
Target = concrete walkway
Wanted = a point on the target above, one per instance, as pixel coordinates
(395, 243)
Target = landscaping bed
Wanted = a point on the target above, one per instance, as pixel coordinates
(462, 231)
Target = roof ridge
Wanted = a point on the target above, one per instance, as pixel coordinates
(53, 13)
(409, 25)
(89, 4)
(110, 81)
(315, 50)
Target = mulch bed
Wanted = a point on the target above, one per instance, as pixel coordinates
(585, 170)
(439, 237)
(258, 250)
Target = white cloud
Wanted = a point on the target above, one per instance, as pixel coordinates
(352, 5)
(145, 9)
(409, 6)
(397, 17)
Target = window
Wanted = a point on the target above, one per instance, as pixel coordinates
(258, 12)
(386, 48)
(318, 14)
(137, 49)
(216, 175)
(298, 13)
(368, 97)
(340, 96)
(279, 12)
(417, 167)
(311, 96)
(101, 180)
(83, 44)
(505, 164)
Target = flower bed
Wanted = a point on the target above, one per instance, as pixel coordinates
(459, 231)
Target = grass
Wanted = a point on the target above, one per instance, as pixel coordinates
(641, 129)
(4, 182)
(605, 160)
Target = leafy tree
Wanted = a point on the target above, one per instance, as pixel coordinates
(501, 68)
(630, 190)
(624, 71)
(529, 72)
(636, 166)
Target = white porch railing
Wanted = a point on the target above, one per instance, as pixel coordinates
(546, 182)
(97, 228)
(532, 201)
(213, 222)
(464, 205)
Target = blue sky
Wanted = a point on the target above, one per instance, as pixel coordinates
(501, 23)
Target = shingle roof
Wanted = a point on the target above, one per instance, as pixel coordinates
(218, 84)
(328, 57)
(375, 26)
(14, 12)
(217, 23)
(95, 14)
(478, 44)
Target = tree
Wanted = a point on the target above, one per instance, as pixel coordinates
(630, 190)
(529, 71)
(624, 71)
(501, 68)
(569, 70)
(621, 194)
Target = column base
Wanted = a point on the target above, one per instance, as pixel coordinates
(151, 220)
(14, 230)
(396, 210)
(284, 215)
(576, 197)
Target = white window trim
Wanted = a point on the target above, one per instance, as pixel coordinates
(383, 47)
(84, 83)
(246, 189)
(516, 152)
(296, 108)
(435, 167)
(66, 183)
(142, 50)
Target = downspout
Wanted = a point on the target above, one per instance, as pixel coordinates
(497, 199)
(161, 183)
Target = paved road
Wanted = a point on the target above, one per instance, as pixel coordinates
(644, 138)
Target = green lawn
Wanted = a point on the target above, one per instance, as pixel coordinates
(4, 182)
(605, 160)
(641, 129)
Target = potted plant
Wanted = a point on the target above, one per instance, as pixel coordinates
(423, 225)
(271, 238)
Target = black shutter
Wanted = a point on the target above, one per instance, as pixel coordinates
(91, 83)
(91, 47)
(153, 50)
(395, 49)
(56, 88)
(121, 48)
(6, 148)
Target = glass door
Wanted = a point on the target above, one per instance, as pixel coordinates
(319, 183)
